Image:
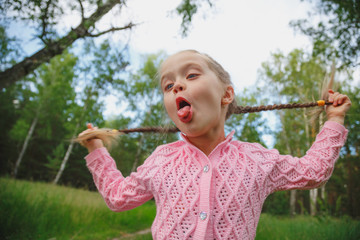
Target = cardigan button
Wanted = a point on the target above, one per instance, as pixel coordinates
(206, 168)
(203, 215)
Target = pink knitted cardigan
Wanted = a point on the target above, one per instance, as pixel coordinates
(219, 196)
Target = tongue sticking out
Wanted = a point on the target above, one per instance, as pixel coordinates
(185, 114)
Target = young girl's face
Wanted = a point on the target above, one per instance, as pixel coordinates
(193, 94)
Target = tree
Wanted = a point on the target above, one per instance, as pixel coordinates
(248, 126)
(344, 196)
(46, 15)
(339, 35)
(48, 107)
(10, 50)
(100, 73)
(294, 78)
(12, 99)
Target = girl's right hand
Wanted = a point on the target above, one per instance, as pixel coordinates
(91, 144)
(341, 104)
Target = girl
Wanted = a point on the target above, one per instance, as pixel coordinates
(208, 186)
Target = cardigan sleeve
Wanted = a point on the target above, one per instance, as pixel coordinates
(311, 170)
(120, 193)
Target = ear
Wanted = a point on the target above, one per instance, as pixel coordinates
(228, 95)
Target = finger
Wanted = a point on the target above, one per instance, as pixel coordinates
(338, 99)
(83, 133)
(87, 131)
(89, 125)
(331, 95)
(335, 98)
(341, 99)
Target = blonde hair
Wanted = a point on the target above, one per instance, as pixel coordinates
(108, 136)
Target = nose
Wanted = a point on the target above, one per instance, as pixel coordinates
(179, 86)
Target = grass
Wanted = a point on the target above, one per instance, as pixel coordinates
(30, 210)
(306, 228)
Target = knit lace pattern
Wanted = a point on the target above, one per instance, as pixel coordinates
(219, 196)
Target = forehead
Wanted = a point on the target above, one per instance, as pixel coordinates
(181, 60)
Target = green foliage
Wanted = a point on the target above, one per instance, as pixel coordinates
(338, 35)
(338, 206)
(187, 9)
(47, 97)
(277, 203)
(10, 49)
(19, 130)
(44, 16)
(293, 78)
(342, 185)
(352, 122)
(248, 127)
(105, 65)
(303, 209)
(297, 78)
(54, 160)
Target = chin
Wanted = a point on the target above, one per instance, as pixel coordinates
(192, 131)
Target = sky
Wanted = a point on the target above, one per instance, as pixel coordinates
(240, 35)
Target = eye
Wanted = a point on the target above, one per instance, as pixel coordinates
(168, 86)
(192, 76)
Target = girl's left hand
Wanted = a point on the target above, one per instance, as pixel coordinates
(341, 104)
(91, 144)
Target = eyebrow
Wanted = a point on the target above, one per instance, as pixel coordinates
(183, 69)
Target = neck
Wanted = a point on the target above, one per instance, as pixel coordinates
(206, 143)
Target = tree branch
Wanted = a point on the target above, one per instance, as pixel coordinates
(44, 23)
(114, 29)
(82, 9)
(29, 64)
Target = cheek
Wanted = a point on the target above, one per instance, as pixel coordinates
(210, 96)
(168, 107)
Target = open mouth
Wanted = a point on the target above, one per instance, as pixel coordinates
(181, 103)
(184, 110)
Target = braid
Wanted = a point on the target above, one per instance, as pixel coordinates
(151, 129)
(237, 110)
(109, 136)
(248, 109)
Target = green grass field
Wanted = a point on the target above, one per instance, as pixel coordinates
(43, 211)
(31, 210)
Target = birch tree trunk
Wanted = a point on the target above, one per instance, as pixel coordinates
(313, 197)
(138, 152)
(66, 157)
(293, 202)
(321, 123)
(26, 142)
(292, 192)
(70, 148)
(313, 192)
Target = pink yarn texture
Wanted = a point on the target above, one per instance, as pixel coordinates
(219, 196)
